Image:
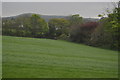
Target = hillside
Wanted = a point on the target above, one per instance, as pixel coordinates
(45, 58)
(46, 17)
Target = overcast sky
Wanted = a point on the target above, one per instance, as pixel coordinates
(85, 9)
(60, 0)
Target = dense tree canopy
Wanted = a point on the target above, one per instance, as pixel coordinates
(33, 26)
(107, 35)
(38, 26)
(58, 27)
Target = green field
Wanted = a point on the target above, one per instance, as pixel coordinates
(0, 56)
(45, 58)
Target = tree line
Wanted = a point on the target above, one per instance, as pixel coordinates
(103, 33)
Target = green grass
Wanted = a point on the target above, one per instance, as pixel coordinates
(45, 58)
(0, 56)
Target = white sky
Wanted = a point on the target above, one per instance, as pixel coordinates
(60, 0)
(85, 9)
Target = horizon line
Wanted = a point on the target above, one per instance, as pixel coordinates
(49, 15)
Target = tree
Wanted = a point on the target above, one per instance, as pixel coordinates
(107, 35)
(57, 27)
(33, 26)
(75, 19)
(82, 33)
(114, 20)
(101, 37)
(38, 26)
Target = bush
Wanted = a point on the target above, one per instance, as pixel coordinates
(63, 37)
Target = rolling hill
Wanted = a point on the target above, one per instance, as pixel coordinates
(46, 17)
(46, 58)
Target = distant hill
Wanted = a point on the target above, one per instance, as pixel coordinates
(47, 17)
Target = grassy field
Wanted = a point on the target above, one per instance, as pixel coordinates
(45, 58)
(0, 56)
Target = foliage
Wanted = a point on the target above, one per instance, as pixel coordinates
(38, 26)
(107, 35)
(33, 26)
(75, 19)
(101, 37)
(58, 26)
(81, 33)
(104, 33)
(63, 37)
